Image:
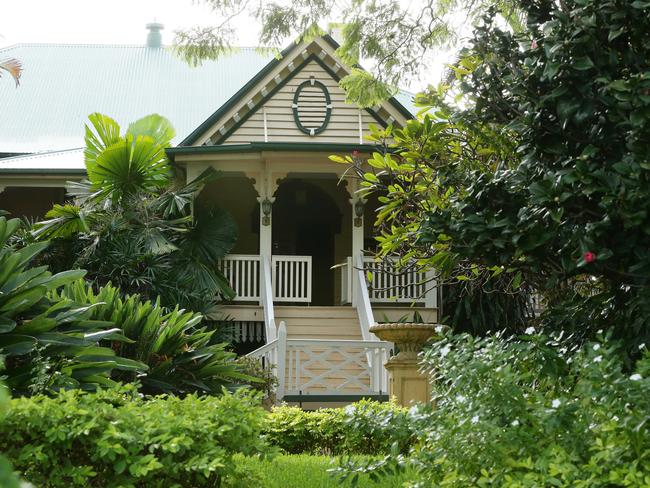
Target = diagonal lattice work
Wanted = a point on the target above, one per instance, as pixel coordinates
(319, 366)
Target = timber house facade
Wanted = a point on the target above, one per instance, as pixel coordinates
(303, 305)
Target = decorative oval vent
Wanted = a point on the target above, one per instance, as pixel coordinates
(312, 107)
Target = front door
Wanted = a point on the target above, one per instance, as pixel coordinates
(306, 220)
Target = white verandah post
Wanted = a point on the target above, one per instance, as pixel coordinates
(357, 238)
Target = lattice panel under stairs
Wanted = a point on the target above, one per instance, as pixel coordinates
(313, 368)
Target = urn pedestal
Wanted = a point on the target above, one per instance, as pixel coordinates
(406, 383)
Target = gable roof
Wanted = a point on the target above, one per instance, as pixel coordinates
(63, 83)
(291, 53)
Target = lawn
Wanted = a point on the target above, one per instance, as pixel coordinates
(305, 471)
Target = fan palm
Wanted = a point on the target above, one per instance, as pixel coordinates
(132, 222)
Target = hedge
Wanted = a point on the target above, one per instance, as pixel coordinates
(117, 438)
(362, 428)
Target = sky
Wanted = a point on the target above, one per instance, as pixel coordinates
(122, 22)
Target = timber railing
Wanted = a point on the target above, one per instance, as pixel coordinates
(291, 277)
(388, 283)
(325, 368)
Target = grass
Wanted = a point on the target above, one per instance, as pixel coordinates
(305, 471)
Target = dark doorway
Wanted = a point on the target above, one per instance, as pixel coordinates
(305, 222)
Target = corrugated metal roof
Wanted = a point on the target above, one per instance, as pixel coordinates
(71, 160)
(62, 84)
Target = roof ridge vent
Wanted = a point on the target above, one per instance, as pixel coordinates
(154, 38)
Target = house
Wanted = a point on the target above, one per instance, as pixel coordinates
(269, 127)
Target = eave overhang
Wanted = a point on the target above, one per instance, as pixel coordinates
(274, 146)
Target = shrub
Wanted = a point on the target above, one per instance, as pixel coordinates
(174, 344)
(362, 428)
(116, 438)
(529, 412)
(49, 343)
(133, 222)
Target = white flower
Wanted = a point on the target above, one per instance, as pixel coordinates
(636, 377)
(599, 331)
(444, 351)
(596, 347)
(475, 419)
(461, 398)
(556, 403)
(413, 411)
(349, 410)
(529, 331)
(438, 329)
(615, 418)
(598, 359)
(515, 423)
(642, 346)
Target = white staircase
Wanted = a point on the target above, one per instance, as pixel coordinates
(319, 322)
(323, 355)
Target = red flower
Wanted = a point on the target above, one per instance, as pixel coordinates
(589, 257)
(355, 154)
(533, 45)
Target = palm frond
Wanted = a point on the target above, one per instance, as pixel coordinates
(13, 67)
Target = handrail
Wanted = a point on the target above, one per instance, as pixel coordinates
(266, 292)
(260, 351)
(281, 364)
(335, 342)
(364, 309)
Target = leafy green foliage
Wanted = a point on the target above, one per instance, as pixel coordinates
(173, 344)
(572, 93)
(120, 166)
(418, 172)
(7, 477)
(116, 438)
(49, 343)
(396, 39)
(362, 428)
(532, 411)
(132, 223)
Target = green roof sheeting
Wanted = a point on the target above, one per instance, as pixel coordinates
(62, 84)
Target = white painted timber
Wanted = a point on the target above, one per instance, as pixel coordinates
(390, 284)
(274, 122)
(290, 277)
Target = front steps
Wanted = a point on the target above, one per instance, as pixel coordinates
(334, 323)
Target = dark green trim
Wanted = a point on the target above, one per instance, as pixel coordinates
(274, 146)
(309, 59)
(333, 398)
(196, 133)
(328, 107)
(41, 171)
(11, 154)
(210, 121)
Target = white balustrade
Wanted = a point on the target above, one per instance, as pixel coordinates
(243, 273)
(330, 367)
(291, 277)
(389, 284)
(325, 367)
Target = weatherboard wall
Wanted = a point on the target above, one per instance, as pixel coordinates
(347, 124)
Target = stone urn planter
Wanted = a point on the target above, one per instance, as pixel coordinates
(406, 383)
